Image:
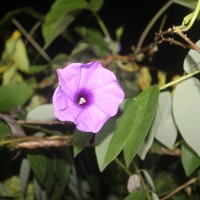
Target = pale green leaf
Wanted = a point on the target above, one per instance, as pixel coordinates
(24, 175)
(44, 112)
(9, 74)
(149, 179)
(154, 196)
(143, 150)
(192, 60)
(13, 95)
(102, 141)
(146, 104)
(186, 109)
(164, 126)
(189, 159)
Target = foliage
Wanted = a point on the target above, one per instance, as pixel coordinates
(154, 136)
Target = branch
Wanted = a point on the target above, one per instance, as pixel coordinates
(191, 181)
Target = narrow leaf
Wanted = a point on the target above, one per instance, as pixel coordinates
(146, 104)
(130, 122)
(120, 133)
(186, 109)
(24, 175)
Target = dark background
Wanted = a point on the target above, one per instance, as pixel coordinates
(133, 15)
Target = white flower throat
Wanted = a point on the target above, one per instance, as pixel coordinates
(82, 100)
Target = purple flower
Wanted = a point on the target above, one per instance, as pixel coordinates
(87, 95)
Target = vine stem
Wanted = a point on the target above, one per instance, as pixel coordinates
(142, 182)
(179, 80)
(150, 25)
(191, 181)
(126, 170)
(103, 26)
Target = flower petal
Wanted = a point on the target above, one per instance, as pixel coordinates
(69, 78)
(91, 119)
(93, 75)
(65, 109)
(108, 98)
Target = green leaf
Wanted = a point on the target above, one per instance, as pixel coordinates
(145, 108)
(20, 56)
(4, 130)
(41, 163)
(81, 139)
(120, 133)
(186, 109)
(62, 13)
(13, 95)
(164, 126)
(44, 112)
(138, 195)
(136, 118)
(95, 39)
(192, 60)
(189, 159)
(62, 166)
(95, 5)
(37, 68)
(57, 16)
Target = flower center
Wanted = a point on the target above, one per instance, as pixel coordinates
(82, 100)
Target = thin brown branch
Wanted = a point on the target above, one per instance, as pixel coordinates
(32, 41)
(181, 187)
(35, 122)
(33, 142)
(183, 36)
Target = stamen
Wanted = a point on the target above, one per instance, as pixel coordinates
(82, 101)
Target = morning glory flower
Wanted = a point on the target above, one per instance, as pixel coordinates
(87, 95)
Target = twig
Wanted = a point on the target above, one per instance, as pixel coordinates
(32, 41)
(191, 181)
(35, 122)
(150, 25)
(179, 80)
(188, 41)
(33, 142)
